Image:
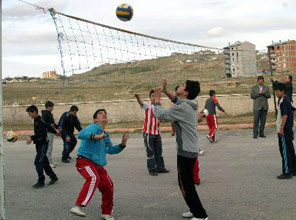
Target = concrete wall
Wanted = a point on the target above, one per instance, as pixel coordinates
(127, 110)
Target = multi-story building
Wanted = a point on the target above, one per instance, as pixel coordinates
(282, 56)
(240, 59)
(50, 75)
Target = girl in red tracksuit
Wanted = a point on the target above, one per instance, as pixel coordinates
(212, 121)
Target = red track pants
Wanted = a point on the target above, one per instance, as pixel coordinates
(95, 177)
(213, 125)
(196, 172)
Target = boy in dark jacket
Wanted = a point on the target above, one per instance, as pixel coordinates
(67, 122)
(49, 120)
(41, 141)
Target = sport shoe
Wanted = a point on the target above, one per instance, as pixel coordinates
(187, 215)
(163, 171)
(153, 173)
(52, 165)
(38, 185)
(201, 152)
(284, 176)
(200, 218)
(76, 210)
(209, 138)
(107, 217)
(53, 180)
(65, 161)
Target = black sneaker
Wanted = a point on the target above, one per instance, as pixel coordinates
(53, 180)
(284, 176)
(294, 174)
(70, 158)
(153, 173)
(65, 161)
(38, 185)
(262, 136)
(255, 136)
(163, 171)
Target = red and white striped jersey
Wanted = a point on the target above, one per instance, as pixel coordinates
(151, 123)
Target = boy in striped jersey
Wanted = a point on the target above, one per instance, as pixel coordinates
(152, 138)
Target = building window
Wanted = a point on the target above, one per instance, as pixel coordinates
(233, 70)
(232, 54)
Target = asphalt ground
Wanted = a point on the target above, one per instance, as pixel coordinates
(238, 182)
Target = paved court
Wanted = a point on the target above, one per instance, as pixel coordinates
(238, 177)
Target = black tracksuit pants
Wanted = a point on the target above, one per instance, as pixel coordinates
(153, 146)
(287, 151)
(186, 184)
(68, 146)
(41, 163)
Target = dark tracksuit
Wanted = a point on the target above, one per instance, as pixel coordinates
(66, 124)
(49, 120)
(286, 146)
(40, 140)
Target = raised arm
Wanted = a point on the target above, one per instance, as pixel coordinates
(139, 99)
(170, 95)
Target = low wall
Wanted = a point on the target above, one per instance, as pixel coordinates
(127, 110)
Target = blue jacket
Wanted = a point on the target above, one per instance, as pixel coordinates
(96, 150)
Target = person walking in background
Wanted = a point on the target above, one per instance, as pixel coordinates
(41, 141)
(49, 120)
(260, 94)
(212, 121)
(284, 125)
(67, 123)
(289, 86)
(152, 138)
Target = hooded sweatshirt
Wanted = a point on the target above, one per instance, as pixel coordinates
(184, 115)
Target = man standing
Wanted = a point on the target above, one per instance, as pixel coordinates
(289, 86)
(49, 120)
(184, 114)
(260, 93)
(67, 122)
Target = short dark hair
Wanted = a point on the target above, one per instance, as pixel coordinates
(49, 104)
(280, 87)
(212, 92)
(99, 110)
(74, 108)
(176, 88)
(151, 92)
(32, 109)
(290, 77)
(260, 77)
(193, 89)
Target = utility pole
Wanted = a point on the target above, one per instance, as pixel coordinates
(2, 209)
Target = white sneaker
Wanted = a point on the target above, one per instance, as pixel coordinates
(53, 165)
(209, 138)
(187, 215)
(200, 218)
(76, 210)
(107, 217)
(201, 152)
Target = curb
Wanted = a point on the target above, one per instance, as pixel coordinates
(200, 127)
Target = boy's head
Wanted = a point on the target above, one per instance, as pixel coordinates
(73, 110)
(151, 96)
(32, 111)
(212, 93)
(260, 80)
(100, 116)
(176, 89)
(288, 78)
(49, 106)
(190, 89)
(280, 90)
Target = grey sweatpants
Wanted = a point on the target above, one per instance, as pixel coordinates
(50, 146)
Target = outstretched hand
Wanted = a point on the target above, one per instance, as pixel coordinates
(125, 137)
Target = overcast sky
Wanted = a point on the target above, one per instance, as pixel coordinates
(29, 37)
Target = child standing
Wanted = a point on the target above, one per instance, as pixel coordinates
(211, 104)
(41, 141)
(284, 129)
(152, 138)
